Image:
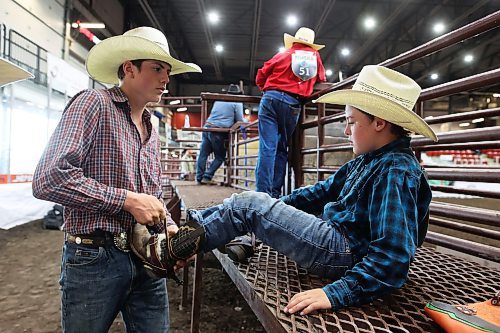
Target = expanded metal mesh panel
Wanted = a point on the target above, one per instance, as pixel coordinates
(433, 276)
(201, 196)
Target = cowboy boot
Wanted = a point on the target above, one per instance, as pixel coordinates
(160, 252)
(471, 318)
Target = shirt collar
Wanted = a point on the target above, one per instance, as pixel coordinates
(396, 145)
(118, 96)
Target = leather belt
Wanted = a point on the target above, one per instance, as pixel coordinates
(296, 96)
(101, 239)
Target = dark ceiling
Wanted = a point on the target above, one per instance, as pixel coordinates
(252, 31)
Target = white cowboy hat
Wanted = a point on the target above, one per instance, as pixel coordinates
(10, 73)
(303, 36)
(386, 94)
(104, 58)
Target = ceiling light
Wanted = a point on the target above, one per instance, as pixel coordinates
(247, 111)
(434, 76)
(165, 91)
(496, 95)
(369, 23)
(328, 72)
(468, 58)
(213, 17)
(182, 109)
(219, 48)
(488, 100)
(175, 101)
(464, 124)
(478, 120)
(281, 49)
(88, 25)
(345, 51)
(438, 27)
(292, 20)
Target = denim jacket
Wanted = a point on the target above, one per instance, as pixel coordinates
(381, 202)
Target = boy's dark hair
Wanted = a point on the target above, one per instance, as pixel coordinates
(137, 63)
(397, 130)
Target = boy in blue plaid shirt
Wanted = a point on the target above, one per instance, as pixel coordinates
(373, 212)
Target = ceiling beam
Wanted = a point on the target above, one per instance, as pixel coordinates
(324, 16)
(255, 37)
(208, 35)
(379, 33)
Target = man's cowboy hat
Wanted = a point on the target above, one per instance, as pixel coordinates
(104, 58)
(10, 73)
(303, 36)
(233, 89)
(386, 94)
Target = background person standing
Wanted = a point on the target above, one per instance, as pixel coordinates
(286, 79)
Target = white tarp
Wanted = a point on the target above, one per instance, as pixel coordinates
(18, 205)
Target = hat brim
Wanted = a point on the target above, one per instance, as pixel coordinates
(10, 73)
(104, 58)
(380, 107)
(289, 40)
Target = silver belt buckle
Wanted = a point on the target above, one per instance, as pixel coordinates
(121, 242)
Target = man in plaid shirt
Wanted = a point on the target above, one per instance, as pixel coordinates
(103, 164)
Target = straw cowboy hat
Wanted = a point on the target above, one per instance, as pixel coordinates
(303, 36)
(104, 58)
(10, 73)
(386, 94)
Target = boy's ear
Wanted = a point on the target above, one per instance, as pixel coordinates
(380, 124)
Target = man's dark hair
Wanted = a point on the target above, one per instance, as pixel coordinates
(397, 130)
(137, 63)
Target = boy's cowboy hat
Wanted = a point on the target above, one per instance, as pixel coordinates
(10, 73)
(303, 36)
(386, 94)
(104, 58)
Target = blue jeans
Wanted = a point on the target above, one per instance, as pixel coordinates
(97, 283)
(210, 142)
(278, 116)
(312, 243)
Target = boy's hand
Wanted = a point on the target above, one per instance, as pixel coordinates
(308, 301)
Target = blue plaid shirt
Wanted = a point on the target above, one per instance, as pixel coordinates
(381, 201)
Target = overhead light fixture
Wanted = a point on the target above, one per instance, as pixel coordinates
(219, 48)
(175, 101)
(434, 76)
(369, 23)
(438, 27)
(496, 95)
(213, 17)
(478, 120)
(247, 111)
(292, 20)
(182, 109)
(328, 72)
(165, 91)
(464, 124)
(88, 25)
(468, 58)
(281, 49)
(345, 51)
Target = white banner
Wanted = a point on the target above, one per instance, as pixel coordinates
(64, 77)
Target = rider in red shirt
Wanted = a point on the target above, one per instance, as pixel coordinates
(286, 79)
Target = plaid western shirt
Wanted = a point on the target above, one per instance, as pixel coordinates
(381, 201)
(94, 155)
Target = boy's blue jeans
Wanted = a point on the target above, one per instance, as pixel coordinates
(97, 283)
(210, 142)
(278, 116)
(314, 244)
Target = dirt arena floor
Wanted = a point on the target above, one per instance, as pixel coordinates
(29, 290)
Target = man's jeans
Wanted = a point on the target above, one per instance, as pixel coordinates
(278, 116)
(97, 283)
(211, 142)
(314, 244)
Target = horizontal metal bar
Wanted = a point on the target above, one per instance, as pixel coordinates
(470, 175)
(243, 142)
(472, 135)
(480, 193)
(463, 116)
(483, 232)
(479, 250)
(464, 213)
(462, 145)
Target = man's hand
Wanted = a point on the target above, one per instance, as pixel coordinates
(146, 209)
(172, 230)
(308, 301)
